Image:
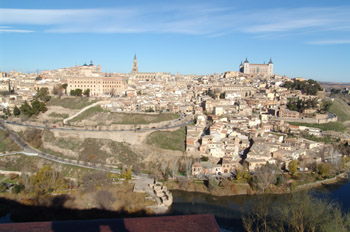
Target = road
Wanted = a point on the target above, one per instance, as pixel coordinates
(31, 151)
(168, 126)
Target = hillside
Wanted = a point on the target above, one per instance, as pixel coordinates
(341, 109)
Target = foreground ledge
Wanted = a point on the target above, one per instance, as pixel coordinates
(193, 223)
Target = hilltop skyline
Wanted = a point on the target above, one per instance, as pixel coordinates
(308, 40)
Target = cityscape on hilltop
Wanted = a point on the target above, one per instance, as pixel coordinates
(256, 139)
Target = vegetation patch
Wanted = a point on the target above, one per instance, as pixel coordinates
(58, 115)
(334, 126)
(341, 109)
(103, 117)
(71, 103)
(87, 113)
(170, 140)
(6, 143)
(93, 150)
(23, 163)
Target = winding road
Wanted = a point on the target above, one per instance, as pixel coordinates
(31, 151)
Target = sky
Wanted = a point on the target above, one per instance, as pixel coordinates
(309, 39)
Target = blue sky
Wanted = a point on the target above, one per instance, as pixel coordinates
(309, 39)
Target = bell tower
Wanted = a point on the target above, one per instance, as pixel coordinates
(135, 68)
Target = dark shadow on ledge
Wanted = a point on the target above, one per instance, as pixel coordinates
(74, 217)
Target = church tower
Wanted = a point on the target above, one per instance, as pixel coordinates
(135, 68)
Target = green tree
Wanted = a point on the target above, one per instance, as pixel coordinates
(222, 95)
(43, 95)
(64, 86)
(17, 188)
(35, 107)
(293, 166)
(46, 180)
(26, 109)
(325, 105)
(324, 169)
(213, 183)
(16, 111)
(42, 107)
(87, 93)
(126, 174)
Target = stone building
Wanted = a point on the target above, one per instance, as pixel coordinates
(99, 86)
(145, 76)
(257, 69)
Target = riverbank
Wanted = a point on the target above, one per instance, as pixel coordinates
(230, 188)
(338, 178)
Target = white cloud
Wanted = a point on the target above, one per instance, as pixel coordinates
(10, 29)
(197, 19)
(15, 30)
(329, 42)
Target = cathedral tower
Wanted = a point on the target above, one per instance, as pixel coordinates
(135, 68)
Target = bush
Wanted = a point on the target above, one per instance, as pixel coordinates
(324, 169)
(17, 188)
(13, 176)
(104, 199)
(213, 183)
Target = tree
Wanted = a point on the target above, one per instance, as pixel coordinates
(7, 112)
(188, 166)
(58, 90)
(43, 95)
(324, 169)
(212, 183)
(299, 212)
(126, 174)
(222, 95)
(264, 176)
(174, 167)
(87, 93)
(76, 92)
(293, 166)
(35, 107)
(16, 111)
(104, 199)
(17, 188)
(258, 213)
(26, 109)
(46, 180)
(325, 105)
(64, 86)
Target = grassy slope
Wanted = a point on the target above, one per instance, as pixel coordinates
(335, 126)
(341, 109)
(6, 143)
(58, 115)
(71, 103)
(141, 118)
(32, 164)
(93, 150)
(124, 118)
(87, 113)
(174, 140)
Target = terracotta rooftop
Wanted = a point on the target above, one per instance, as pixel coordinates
(193, 223)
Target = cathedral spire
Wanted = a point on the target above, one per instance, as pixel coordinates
(135, 67)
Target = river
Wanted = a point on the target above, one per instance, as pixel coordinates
(227, 210)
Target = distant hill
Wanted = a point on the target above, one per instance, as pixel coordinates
(334, 85)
